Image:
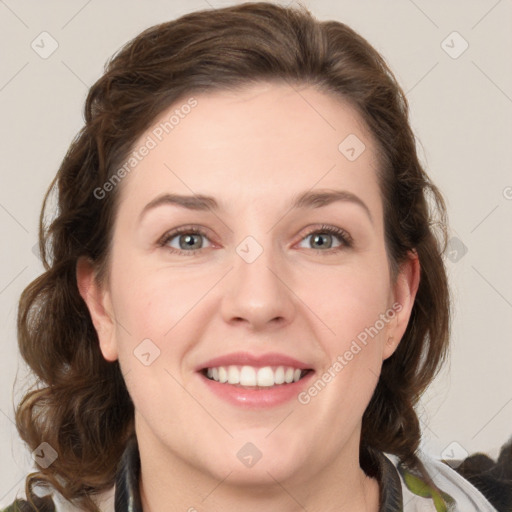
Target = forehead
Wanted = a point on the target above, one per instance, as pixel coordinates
(261, 141)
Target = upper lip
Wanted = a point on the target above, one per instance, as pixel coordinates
(256, 360)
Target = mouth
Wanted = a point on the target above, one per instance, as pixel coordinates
(255, 381)
(255, 378)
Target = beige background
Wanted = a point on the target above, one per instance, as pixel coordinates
(461, 113)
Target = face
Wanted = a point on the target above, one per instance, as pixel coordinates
(257, 278)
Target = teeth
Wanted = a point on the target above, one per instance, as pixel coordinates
(233, 375)
(279, 375)
(223, 374)
(250, 376)
(265, 377)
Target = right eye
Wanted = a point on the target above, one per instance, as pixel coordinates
(188, 240)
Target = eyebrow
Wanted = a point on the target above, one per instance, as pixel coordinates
(308, 199)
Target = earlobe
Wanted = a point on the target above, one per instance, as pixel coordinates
(404, 293)
(99, 305)
(390, 347)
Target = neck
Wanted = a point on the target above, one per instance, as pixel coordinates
(280, 497)
(168, 482)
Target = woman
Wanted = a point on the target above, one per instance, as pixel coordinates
(244, 295)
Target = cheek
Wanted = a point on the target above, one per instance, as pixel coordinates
(348, 300)
(166, 306)
(150, 302)
(358, 313)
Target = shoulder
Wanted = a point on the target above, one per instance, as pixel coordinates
(466, 496)
(492, 478)
(450, 493)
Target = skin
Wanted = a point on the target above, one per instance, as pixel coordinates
(253, 151)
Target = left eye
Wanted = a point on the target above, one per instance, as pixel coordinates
(329, 233)
(324, 240)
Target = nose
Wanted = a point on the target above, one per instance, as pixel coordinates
(257, 293)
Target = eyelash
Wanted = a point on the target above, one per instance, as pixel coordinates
(343, 236)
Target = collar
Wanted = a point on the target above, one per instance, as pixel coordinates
(127, 495)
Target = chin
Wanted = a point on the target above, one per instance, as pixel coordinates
(264, 472)
(257, 459)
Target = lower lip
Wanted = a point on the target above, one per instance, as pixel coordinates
(258, 398)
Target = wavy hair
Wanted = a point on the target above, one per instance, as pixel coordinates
(80, 404)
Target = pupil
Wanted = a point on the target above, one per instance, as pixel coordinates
(189, 240)
(318, 238)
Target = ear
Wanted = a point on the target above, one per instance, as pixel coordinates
(405, 288)
(100, 307)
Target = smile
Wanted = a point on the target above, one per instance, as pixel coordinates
(254, 377)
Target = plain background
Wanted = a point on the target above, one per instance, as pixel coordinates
(461, 107)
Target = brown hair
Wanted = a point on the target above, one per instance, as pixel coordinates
(81, 406)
